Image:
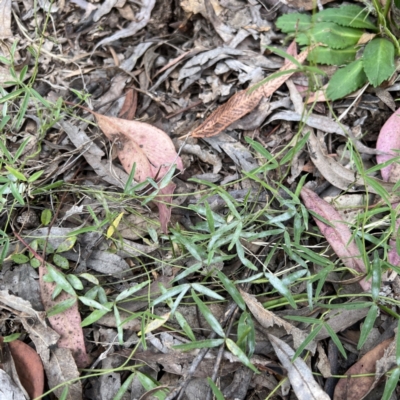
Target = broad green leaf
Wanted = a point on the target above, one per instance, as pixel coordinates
(217, 393)
(331, 34)
(45, 217)
(231, 289)
(67, 244)
(368, 325)
(281, 288)
(236, 351)
(89, 277)
(102, 296)
(209, 343)
(346, 80)
(391, 384)
(11, 338)
(93, 303)
(19, 258)
(60, 261)
(289, 23)
(209, 317)
(347, 15)
(61, 307)
(75, 282)
(60, 279)
(92, 293)
(207, 292)
(326, 55)
(128, 292)
(378, 60)
(94, 316)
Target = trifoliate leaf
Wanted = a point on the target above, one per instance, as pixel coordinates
(331, 34)
(349, 15)
(378, 59)
(346, 80)
(325, 55)
(295, 22)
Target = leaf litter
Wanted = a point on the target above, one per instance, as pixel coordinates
(176, 95)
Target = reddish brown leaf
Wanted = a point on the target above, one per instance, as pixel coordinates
(338, 235)
(356, 388)
(243, 102)
(128, 109)
(67, 324)
(29, 368)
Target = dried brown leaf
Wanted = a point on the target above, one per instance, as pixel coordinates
(338, 235)
(356, 388)
(128, 109)
(267, 319)
(242, 103)
(299, 374)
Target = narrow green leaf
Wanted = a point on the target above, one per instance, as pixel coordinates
(209, 317)
(16, 173)
(35, 176)
(217, 393)
(368, 325)
(94, 316)
(207, 292)
(346, 80)
(128, 292)
(93, 303)
(11, 338)
(209, 343)
(307, 340)
(189, 245)
(64, 393)
(335, 339)
(378, 60)
(61, 307)
(170, 293)
(231, 289)
(124, 387)
(185, 326)
(376, 276)
(236, 351)
(391, 384)
(281, 288)
(119, 326)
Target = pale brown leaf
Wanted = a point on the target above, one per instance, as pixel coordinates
(299, 374)
(267, 319)
(243, 102)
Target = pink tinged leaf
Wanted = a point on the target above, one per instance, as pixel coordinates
(145, 142)
(388, 141)
(338, 235)
(67, 324)
(162, 204)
